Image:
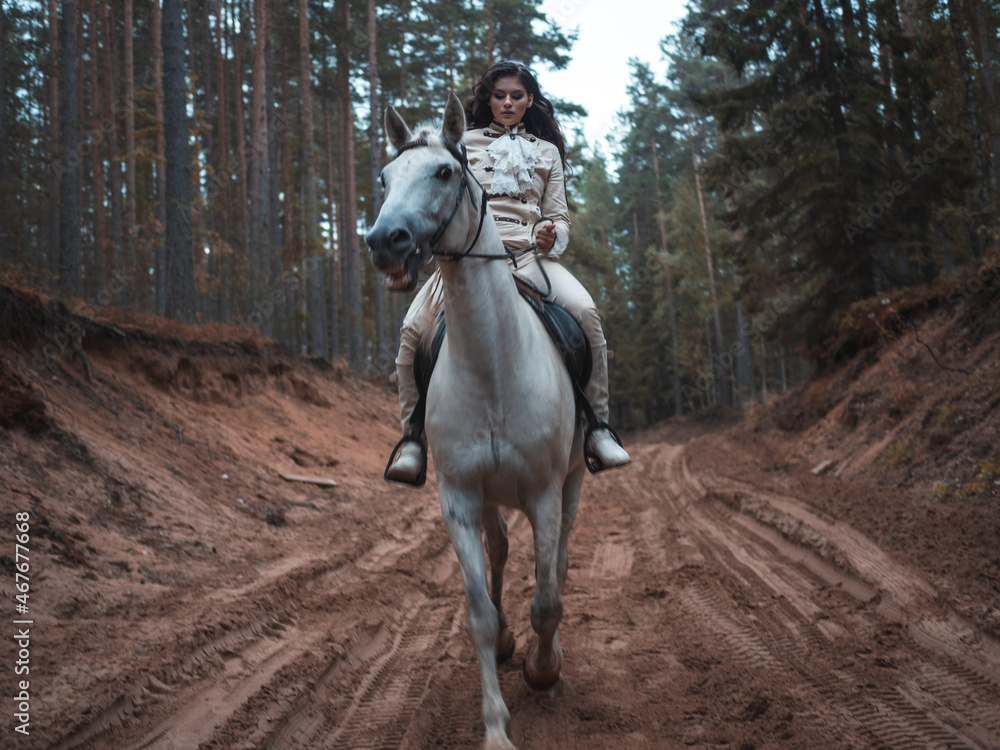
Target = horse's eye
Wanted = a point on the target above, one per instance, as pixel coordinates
(444, 173)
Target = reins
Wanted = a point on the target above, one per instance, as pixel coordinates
(462, 157)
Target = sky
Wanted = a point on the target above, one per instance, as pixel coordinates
(610, 33)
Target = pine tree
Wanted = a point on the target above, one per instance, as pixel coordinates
(131, 219)
(383, 356)
(349, 251)
(981, 189)
(317, 299)
(179, 292)
(111, 120)
(6, 249)
(160, 160)
(69, 140)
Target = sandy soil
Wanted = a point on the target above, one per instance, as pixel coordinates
(720, 594)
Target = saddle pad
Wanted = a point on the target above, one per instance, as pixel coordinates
(563, 328)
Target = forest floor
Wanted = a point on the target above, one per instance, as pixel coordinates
(820, 573)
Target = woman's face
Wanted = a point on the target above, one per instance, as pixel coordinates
(509, 100)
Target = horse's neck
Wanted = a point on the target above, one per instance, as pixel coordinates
(482, 308)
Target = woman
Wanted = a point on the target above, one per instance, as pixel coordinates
(517, 153)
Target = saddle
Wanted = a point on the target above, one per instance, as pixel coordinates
(566, 334)
(563, 328)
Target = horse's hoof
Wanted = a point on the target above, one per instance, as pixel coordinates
(505, 645)
(538, 678)
(498, 743)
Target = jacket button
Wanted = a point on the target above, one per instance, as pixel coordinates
(524, 223)
(524, 200)
(532, 139)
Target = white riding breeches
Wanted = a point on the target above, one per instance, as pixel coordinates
(565, 290)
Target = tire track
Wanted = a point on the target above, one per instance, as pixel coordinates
(107, 728)
(366, 724)
(894, 713)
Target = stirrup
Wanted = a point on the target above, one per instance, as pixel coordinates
(421, 478)
(593, 461)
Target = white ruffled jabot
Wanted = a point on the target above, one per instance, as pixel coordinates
(513, 159)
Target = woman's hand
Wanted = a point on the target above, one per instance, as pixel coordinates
(545, 237)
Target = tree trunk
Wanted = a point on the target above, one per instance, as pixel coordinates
(404, 14)
(989, 85)
(913, 115)
(490, 32)
(395, 317)
(671, 310)
(295, 320)
(179, 256)
(221, 178)
(244, 247)
(713, 393)
(763, 371)
(160, 263)
(784, 376)
(222, 129)
(111, 121)
(310, 247)
(85, 264)
(971, 108)
(102, 260)
(722, 381)
(744, 360)
(131, 221)
(6, 244)
(274, 265)
(451, 58)
(51, 207)
(350, 262)
(69, 139)
(383, 356)
(259, 237)
(333, 220)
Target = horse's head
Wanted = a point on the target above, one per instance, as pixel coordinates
(422, 187)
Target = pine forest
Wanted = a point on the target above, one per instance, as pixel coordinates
(800, 165)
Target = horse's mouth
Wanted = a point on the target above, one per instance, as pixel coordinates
(403, 278)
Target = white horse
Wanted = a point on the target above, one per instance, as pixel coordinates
(502, 422)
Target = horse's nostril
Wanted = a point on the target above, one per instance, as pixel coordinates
(400, 238)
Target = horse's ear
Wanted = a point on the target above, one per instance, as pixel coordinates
(396, 129)
(454, 120)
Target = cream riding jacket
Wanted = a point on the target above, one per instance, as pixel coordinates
(515, 213)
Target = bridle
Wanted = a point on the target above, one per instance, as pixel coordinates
(459, 152)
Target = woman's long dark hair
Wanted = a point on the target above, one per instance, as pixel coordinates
(539, 119)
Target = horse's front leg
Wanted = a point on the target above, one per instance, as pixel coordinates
(543, 663)
(496, 549)
(463, 517)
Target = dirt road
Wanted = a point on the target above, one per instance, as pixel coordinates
(691, 620)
